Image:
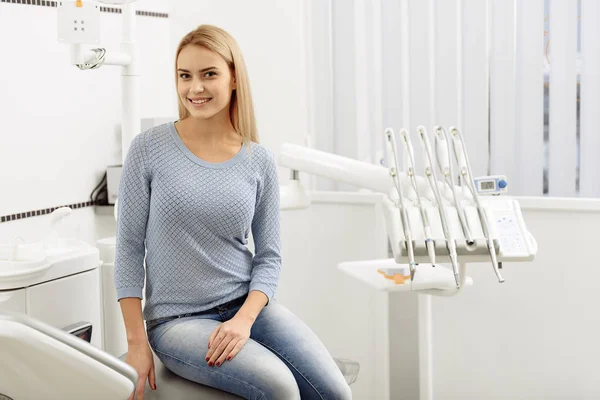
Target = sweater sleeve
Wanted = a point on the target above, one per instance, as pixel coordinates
(266, 264)
(132, 218)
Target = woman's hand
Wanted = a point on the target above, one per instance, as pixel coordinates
(228, 339)
(139, 356)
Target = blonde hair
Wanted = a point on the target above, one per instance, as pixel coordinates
(241, 109)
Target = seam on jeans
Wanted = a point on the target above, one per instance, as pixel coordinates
(293, 366)
(212, 372)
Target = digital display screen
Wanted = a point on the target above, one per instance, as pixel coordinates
(487, 185)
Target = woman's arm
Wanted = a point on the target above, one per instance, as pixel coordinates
(139, 355)
(131, 308)
(266, 264)
(253, 305)
(132, 220)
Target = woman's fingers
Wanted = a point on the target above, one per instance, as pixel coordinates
(140, 358)
(214, 345)
(213, 335)
(226, 352)
(236, 349)
(152, 378)
(139, 395)
(218, 350)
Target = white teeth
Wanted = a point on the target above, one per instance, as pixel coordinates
(199, 101)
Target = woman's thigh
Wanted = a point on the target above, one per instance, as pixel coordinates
(254, 373)
(283, 333)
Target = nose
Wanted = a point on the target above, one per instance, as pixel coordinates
(198, 86)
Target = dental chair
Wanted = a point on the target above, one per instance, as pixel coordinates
(39, 361)
(172, 386)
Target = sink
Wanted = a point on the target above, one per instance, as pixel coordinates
(59, 248)
(27, 263)
(19, 260)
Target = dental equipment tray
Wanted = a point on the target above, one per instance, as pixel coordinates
(427, 277)
(513, 242)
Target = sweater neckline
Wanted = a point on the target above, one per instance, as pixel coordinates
(189, 154)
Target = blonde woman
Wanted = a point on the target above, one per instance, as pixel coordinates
(191, 192)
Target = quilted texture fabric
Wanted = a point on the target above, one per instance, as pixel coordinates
(183, 225)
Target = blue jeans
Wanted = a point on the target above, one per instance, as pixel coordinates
(283, 359)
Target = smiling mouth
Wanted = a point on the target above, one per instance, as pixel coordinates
(199, 101)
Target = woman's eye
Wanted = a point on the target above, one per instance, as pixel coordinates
(184, 76)
(210, 74)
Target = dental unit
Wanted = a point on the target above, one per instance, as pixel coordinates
(450, 226)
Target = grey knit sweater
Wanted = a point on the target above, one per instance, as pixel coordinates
(189, 220)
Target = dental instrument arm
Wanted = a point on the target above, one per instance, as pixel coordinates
(411, 174)
(394, 171)
(467, 177)
(442, 148)
(433, 182)
(339, 168)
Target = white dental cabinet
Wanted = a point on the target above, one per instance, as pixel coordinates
(55, 281)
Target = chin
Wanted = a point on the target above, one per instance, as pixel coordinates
(205, 114)
(201, 114)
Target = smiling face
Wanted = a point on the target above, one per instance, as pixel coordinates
(204, 82)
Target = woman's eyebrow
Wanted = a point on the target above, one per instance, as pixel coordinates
(202, 70)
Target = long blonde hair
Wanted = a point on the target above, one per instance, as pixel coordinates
(241, 109)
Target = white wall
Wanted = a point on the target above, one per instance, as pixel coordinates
(60, 126)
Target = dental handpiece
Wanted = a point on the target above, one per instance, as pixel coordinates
(433, 182)
(463, 160)
(391, 148)
(443, 156)
(410, 172)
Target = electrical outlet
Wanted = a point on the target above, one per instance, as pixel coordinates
(78, 22)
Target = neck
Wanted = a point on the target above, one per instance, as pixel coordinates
(217, 129)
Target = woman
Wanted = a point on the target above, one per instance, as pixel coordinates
(191, 192)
